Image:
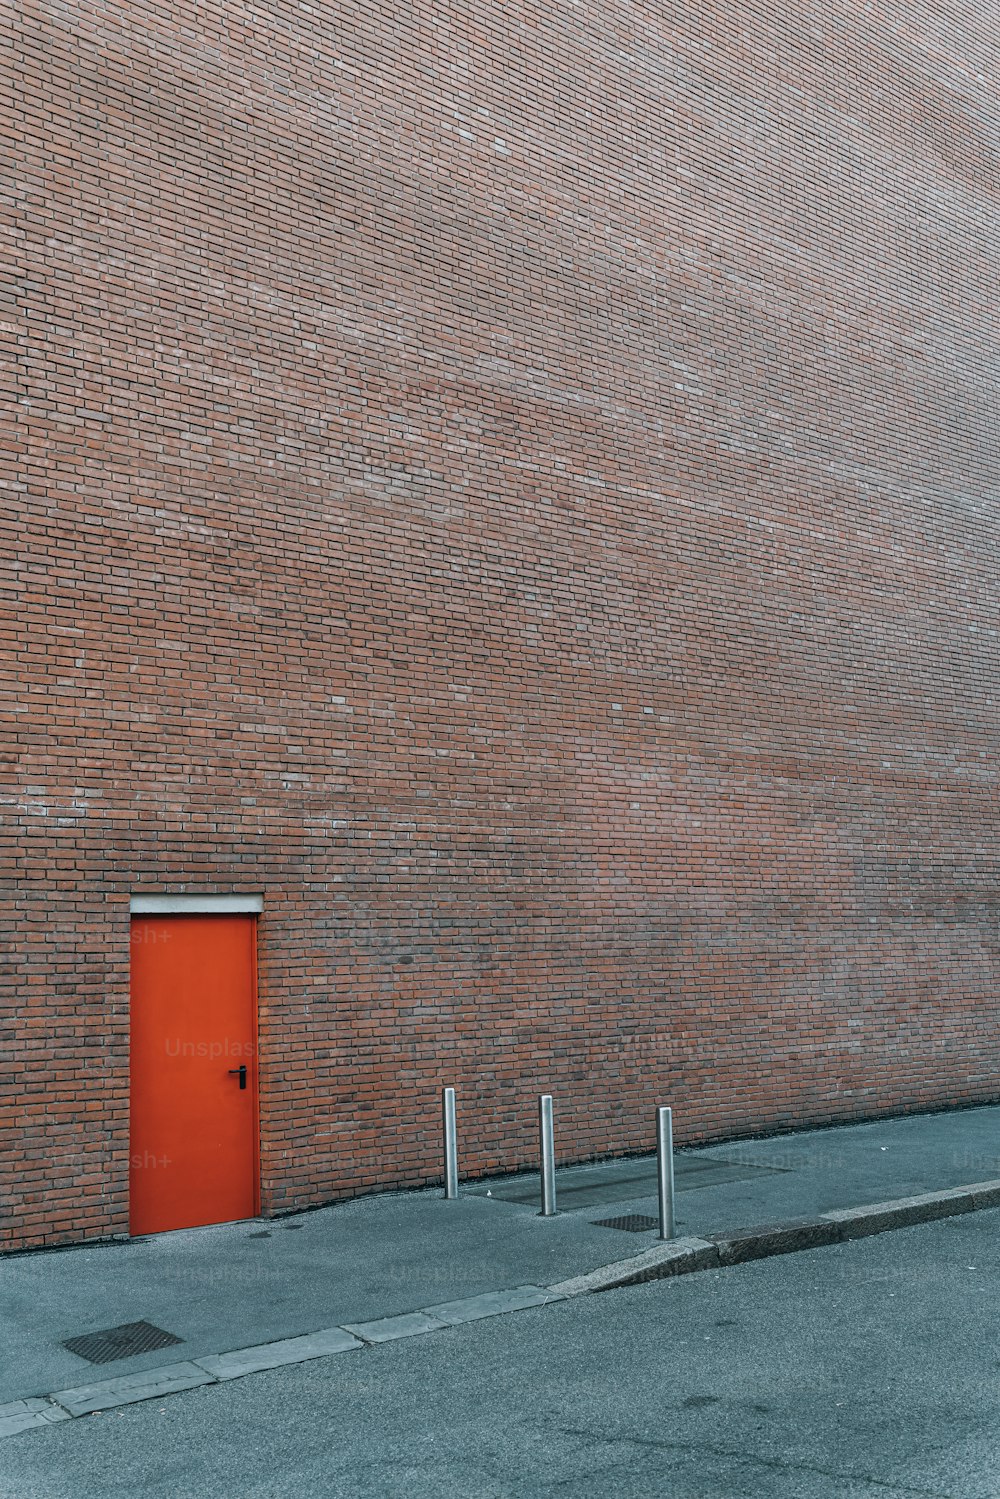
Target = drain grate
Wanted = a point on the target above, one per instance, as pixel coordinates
(630, 1223)
(120, 1342)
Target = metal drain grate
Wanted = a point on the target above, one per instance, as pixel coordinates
(120, 1342)
(630, 1223)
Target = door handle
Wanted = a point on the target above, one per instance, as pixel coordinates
(241, 1073)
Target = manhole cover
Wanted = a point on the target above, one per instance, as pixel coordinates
(631, 1223)
(120, 1342)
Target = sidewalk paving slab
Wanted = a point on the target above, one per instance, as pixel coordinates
(105, 1394)
(24, 1415)
(242, 1361)
(490, 1304)
(387, 1329)
(667, 1257)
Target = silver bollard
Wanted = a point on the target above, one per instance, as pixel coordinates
(665, 1170)
(450, 1144)
(547, 1151)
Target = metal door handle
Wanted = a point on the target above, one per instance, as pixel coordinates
(241, 1072)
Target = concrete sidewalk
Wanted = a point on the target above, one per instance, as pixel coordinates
(251, 1283)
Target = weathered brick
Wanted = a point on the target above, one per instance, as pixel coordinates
(517, 486)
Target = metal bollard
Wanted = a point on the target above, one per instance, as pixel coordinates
(547, 1151)
(665, 1170)
(450, 1144)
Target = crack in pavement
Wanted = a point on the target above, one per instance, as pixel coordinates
(771, 1464)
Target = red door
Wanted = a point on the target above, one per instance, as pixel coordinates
(194, 1071)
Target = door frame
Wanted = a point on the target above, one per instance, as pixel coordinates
(207, 905)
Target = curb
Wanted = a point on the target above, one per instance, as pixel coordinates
(668, 1258)
(737, 1247)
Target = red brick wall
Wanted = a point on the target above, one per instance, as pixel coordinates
(518, 485)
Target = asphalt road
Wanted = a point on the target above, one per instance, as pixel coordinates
(867, 1369)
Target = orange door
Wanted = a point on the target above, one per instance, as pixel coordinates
(194, 1115)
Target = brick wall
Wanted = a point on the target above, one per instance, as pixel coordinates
(518, 485)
